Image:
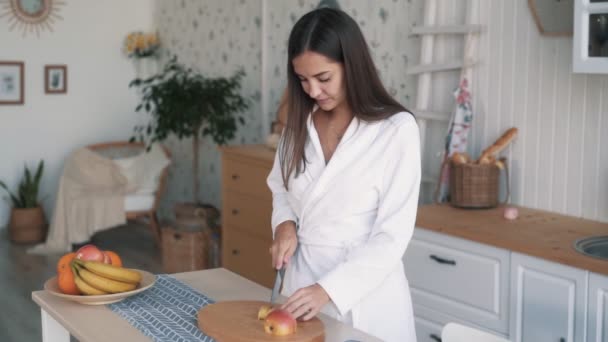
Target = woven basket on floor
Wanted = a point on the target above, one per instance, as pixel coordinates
(185, 246)
(475, 186)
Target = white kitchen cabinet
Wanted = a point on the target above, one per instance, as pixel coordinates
(590, 42)
(548, 301)
(458, 278)
(597, 320)
(427, 331)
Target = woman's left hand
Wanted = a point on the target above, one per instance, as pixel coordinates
(306, 302)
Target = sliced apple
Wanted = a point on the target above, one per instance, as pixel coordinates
(264, 311)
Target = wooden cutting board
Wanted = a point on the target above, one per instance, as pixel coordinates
(238, 321)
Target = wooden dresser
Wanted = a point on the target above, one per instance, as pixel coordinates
(246, 212)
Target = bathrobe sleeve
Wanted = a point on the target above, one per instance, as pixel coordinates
(369, 264)
(281, 209)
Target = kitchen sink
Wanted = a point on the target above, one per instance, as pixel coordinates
(593, 246)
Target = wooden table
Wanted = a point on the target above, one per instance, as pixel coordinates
(61, 317)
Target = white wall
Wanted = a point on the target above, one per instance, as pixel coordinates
(99, 106)
(560, 160)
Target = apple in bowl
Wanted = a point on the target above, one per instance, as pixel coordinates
(92, 253)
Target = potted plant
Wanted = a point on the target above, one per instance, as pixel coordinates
(183, 102)
(27, 223)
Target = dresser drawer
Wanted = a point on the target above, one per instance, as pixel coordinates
(427, 331)
(247, 178)
(247, 256)
(247, 213)
(459, 277)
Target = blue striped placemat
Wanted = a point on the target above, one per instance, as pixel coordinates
(165, 312)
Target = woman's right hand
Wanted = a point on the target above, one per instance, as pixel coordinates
(284, 244)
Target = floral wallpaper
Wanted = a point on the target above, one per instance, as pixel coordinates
(220, 37)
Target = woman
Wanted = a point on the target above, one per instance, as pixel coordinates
(345, 183)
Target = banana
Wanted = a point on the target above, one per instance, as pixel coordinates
(104, 284)
(83, 287)
(112, 272)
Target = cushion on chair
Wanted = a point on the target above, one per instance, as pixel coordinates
(139, 202)
(149, 169)
(143, 171)
(127, 167)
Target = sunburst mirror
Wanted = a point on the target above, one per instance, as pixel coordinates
(31, 16)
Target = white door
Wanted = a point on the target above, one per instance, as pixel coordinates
(548, 301)
(598, 308)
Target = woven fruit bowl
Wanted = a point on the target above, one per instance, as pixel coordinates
(146, 282)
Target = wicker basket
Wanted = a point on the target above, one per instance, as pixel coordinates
(475, 186)
(185, 246)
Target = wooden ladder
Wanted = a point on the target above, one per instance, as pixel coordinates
(426, 115)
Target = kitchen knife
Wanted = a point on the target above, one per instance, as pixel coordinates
(278, 280)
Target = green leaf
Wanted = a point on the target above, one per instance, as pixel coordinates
(183, 102)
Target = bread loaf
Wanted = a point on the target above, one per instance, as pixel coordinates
(498, 145)
(488, 159)
(460, 158)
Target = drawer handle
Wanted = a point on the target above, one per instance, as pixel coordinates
(235, 211)
(235, 252)
(435, 337)
(235, 176)
(442, 260)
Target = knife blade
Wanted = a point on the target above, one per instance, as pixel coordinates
(278, 280)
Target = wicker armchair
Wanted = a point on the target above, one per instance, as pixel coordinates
(134, 206)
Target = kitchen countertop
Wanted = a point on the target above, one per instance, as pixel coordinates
(538, 233)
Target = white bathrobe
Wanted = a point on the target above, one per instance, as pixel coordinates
(355, 218)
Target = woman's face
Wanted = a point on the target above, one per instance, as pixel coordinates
(321, 78)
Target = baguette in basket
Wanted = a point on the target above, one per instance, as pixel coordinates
(488, 156)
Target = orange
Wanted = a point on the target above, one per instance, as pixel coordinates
(66, 283)
(64, 262)
(116, 261)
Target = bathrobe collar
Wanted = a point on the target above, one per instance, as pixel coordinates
(358, 135)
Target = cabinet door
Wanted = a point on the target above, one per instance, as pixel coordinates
(598, 308)
(427, 331)
(548, 301)
(459, 278)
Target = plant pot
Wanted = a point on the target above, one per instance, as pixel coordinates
(27, 225)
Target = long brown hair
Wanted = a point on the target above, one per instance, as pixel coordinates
(335, 35)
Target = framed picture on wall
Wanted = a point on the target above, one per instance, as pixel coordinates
(11, 83)
(55, 79)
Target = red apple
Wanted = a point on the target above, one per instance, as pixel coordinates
(280, 322)
(90, 253)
